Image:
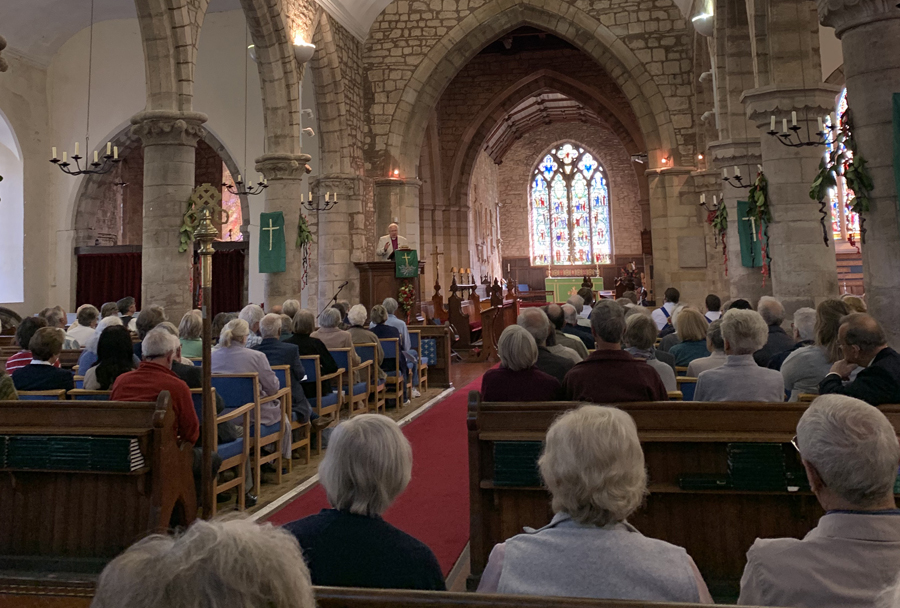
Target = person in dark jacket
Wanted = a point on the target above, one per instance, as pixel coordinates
(573, 329)
(40, 374)
(367, 466)
(779, 341)
(864, 345)
(284, 353)
(304, 324)
(536, 323)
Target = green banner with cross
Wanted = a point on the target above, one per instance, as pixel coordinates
(749, 231)
(406, 263)
(272, 257)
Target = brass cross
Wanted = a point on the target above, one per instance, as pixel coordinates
(752, 221)
(271, 230)
(405, 257)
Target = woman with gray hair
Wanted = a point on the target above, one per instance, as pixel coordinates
(517, 378)
(640, 335)
(189, 334)
(367, 466)
(593, 467)
(332, 336)
(223, 563)
(740, 378)
(360, 334)
(304, 324)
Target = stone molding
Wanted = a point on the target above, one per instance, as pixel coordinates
(283, 166)
(348, 185)
(725, 153)
(662, 172)
(166, 127)
(397, 181)
(843, 15)
(763, 102)
(4, 65)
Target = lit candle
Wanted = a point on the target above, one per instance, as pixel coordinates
(76, 148)
(116, 152)
(737, 172)
(784, 125)
(54, 152)
(96, 157)
(772, 128)
(724, 172)
(793, 119)
(821, 125)
(108, 148)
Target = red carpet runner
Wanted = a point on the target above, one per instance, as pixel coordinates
(435, 506)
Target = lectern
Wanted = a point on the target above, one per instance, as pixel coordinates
(377, 282)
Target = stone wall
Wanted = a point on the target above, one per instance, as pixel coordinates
(515, 177)
(484, 229)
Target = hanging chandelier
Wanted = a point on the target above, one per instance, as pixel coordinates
(101, 164)
(330, 201)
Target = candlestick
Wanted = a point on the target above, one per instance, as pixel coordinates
(76, 148)
(737, 172)
(96, 157)
(772, 128)
(821, 125)
(703, 199)
(65, 155)
(715, 200)
(108, 147)
(793, 119)
(784, 125)
(115, 152)
(327, 194)
(54, 152)
(724, 172)
(239, 180)
(759, 168)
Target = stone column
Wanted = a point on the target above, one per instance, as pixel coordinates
(869, 31)
(284, 173)
(707, 183)
(743, 282)
(170, 141)
(397, 200)
(341, 237)
(804, 270)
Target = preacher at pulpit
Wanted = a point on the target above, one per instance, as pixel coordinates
(390, 243)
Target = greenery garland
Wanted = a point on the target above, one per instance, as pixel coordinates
(759, 206)
(718, 219)
(844, 160)
(304, 239)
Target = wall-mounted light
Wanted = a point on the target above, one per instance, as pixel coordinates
(252, 50)
(396, 172)
(666, 160)
(699, 157)
(704, 23)
(303, 51)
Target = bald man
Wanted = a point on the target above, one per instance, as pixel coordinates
(390, 243)
(864, 344)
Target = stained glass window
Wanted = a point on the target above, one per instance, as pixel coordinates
(844, 223)
(570, 220)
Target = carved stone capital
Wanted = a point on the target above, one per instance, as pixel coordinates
(780, 101)
(3, 63)
(282, 166)
(726, 153)
(843, 15)
(168, 128)
(348, 185)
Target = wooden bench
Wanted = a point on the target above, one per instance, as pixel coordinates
(76, 520)
(716, 527)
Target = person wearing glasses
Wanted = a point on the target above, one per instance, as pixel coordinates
(850, 453)
(864, 345)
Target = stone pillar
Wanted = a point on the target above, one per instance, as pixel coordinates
(743, 282)
(869, 31)
(170, 141)
(284, 173)
(397, 200)
(340, 237)
(804, 270)
(707, 183)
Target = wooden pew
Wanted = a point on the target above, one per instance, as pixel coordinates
(78, 520)
(494, 320)
(716, 527)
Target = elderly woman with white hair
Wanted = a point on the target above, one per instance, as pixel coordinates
(332, 336)
(850, 452)
(367, 466)
(225, 563)
(517, 378)
(740, 378)
(356, 318)
(594, 468)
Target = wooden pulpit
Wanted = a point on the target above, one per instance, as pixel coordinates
(377, 282)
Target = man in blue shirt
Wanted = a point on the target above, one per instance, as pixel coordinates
(412, 357)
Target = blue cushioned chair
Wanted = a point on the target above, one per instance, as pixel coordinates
(79, 381)
(687, 386)
(234, 454)
(323, 405)
(238, 390)
(356, 393)
(396, 380)
(415, 339)
(197, 362)
(42, 395)
(368, 352)
(283, 372)
(80, 394)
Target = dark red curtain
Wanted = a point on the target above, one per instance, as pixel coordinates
(108, 277)
(227, 281)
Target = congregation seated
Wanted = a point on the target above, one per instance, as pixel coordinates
(154, 375)
(558, 349)
(571, 327)
(587, 302)
(738, 304)
(576, 301)
(342, 309)
(86, 319)
(252, 314)
(740, 378)
(88, 356)
(189, 331)
(806, 366)
(360, 334)
(285, 353)
(850, 453)
(640, 334)
(56, 317)
(7, 387)
(127, 307)
(854, 303)
(109, 309)
(778, 341)
(691, 328)
(332, 336)
(609, 374)
(715, 344)
(304, 324)
(557, 318)
(518, 378)
(410, 355)
(367, 466)
(147, 320)
(864, 347)
(663, 315)
(536, 323)
(219, 322)
(803, 330)
(24, 332)
(713, 308)
(227, 563)
(40, 374)
(593, 466)
(286, 323)
(115, 356)
(382, 330)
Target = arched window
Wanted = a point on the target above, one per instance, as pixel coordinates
(570, 209)
(12, 210)
(844, 223)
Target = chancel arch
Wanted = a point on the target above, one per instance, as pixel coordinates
(12, 210)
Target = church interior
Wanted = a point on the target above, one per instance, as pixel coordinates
(399, 252)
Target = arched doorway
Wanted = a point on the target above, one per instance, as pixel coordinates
(12, 210)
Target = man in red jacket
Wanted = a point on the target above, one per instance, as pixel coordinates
(609, 374)
(154, 376)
